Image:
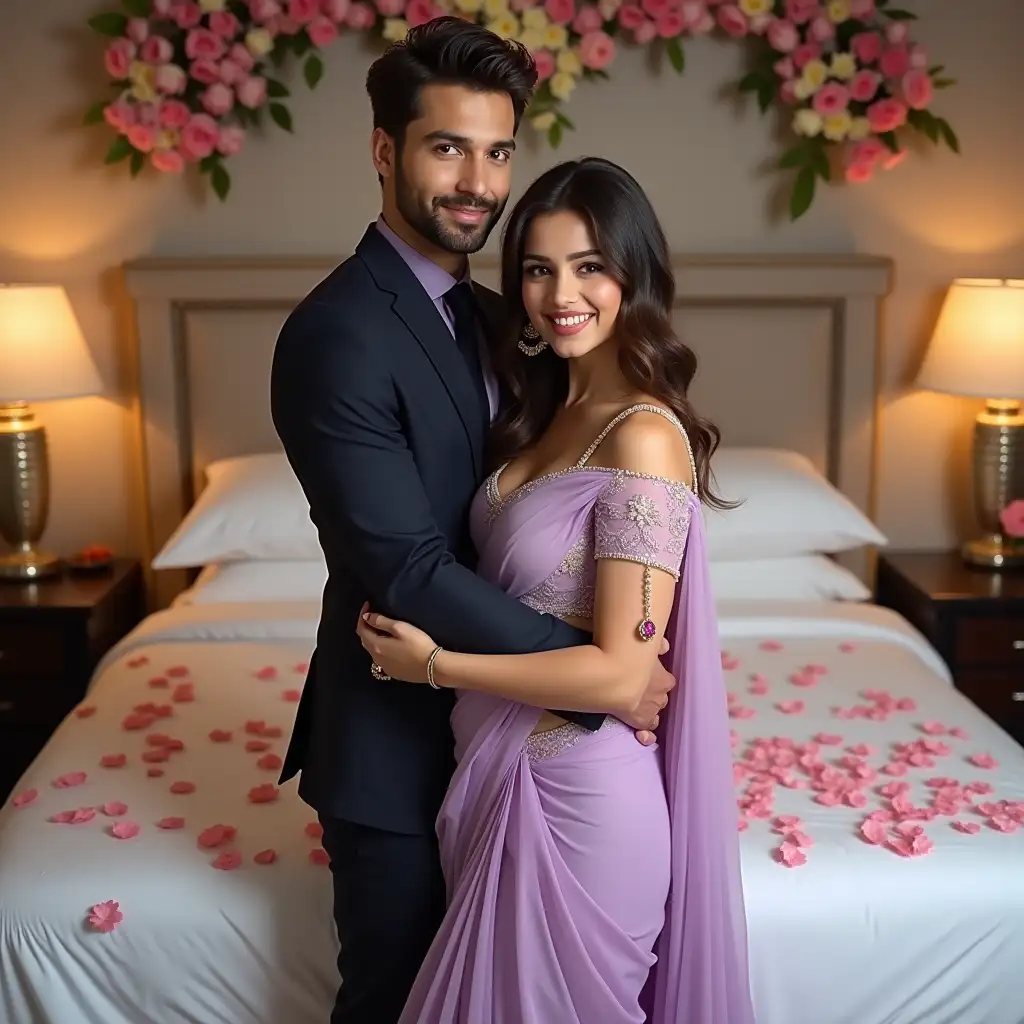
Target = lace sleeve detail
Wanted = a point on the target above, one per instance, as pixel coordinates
(643, 518)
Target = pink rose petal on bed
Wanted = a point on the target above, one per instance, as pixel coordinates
(770, 645)
(828, 799)
(85, 711)
(113, 760)
(177, 671)
(256, 746)
(267, 672)
(301, 666)
(159, 682)
(933, 728)
(804, 678)
(846, 647)
(264, 793)
(758, 685)
(155, 773)
(106, 916)
(220, 735)
(138, 661)
(125, 830)
(960, 734)
(742, 825)
(269, 762)
(171, 823)
(1003, 823)
(970, 828)
(319, 856)
(272, 732)
(69, 779)
(828, 739)
(136, 721)
(155, 756)
(791, 707)
(265, 857)
(114, 809)
(983, 761)
(183, 693)
(906, 704)
(25, 797)
(228, 860)
(255, 727)
(729, 662)
(79, 816)
(979, 788)
(874, 832)
(183, 787)
(791, 855)
(741, 712)
(291, 695)
(216, 835)
(862, 749)
(314, 830)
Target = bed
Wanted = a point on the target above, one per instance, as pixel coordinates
(223, 894)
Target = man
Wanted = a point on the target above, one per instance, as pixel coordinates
(381, 397)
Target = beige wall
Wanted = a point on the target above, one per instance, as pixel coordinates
(703, 157)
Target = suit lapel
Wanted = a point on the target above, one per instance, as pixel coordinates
(419, 314)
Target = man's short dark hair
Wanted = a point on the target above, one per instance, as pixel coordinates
(446, 51)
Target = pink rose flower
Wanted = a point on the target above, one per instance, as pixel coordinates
(118, 58)
(631, 17)
(186, 14)
(862, 9)
(699, 21)
(335, 9)
(597, 50)
(654, 8)
(225, 24)
(282, 26)
(419, 12)
(1012, 519)
(867, 151)
(918, 90)
(886, 115)
(866, 47)
(230, 140)
(148, 114)
(892, 160)
(120, 114)
(785, 68)
(783, 36)
(218, 99)
(162, 8)
(137, 30)
(157, 50)
(322, 31)
(732, 20)
(805, 53)
(174, 114)
(560, 11)
(858, 174)
(864, 85)
(201, 43)
(230, 72)
(241, 56)
(787, 93)
(545, 63)
(360, 17)
(822, 30)
(303, 11)
(205, 71)
(759, 24)
(390, 8)
(918, 56)
(801, 11)
(264, 10)
(895, 62)
(831, 98)
(169, 161)
(669, 25)
(588, 19)
(645, 33)
(897, 32)
(199, 137)
(252, 92)
(141, 136)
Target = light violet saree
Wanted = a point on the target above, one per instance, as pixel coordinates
(592, 880)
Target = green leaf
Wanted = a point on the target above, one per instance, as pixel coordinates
(948, 135)
(899, 15)
(221, 182)
(313, 70)
(943, 83)
(301, 44)
(564, 121)
(276, 89)
(136, 163)
(94, 115)
(795, 157)
(803, 193)
(281, 116)
(819, 161)
(138, 8)
(119, 149)
(765, 94)
(109, 24)
(924, 122)
(542, 94)
(937, 69)
(208, 163)
(555, 135)
(889, 138)
(750, 82)
(676, 57)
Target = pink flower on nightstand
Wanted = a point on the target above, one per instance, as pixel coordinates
(1012, 519)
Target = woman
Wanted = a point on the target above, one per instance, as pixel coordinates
(576, 862)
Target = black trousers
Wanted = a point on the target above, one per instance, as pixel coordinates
(389, 899)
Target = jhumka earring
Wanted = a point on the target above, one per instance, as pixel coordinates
(530, 334)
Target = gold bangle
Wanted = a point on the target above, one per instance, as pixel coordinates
(430, 666)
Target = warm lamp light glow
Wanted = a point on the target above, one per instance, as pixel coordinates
(978, 345)
(42, 351)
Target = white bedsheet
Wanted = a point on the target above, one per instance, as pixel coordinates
(857, 935)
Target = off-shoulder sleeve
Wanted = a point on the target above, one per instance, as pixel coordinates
(642, 518)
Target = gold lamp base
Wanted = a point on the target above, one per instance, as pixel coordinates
(994, 552)
(27, 565)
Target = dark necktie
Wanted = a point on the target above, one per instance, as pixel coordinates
(462, 304)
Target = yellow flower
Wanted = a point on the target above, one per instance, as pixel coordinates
(535, 17)
(259, 41)
(395, 29)
(542, 122)
(532, 38)
(843, 66)
(495, 8)
(860, 128)
(837, 126)
(555, 37)
(755, 8)
(507, 26)
(569, 62)
(469, 6)
(814, 74)
(209, 6)
(838, 10)
(807, 122)
(802, 90)
(561, 84)
(167, 139)
(143, 79)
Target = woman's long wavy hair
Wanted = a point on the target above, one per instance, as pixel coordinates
(651, 357)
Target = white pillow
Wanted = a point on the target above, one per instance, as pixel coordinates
(788, 509)
(251, 508)
(802, 578)
(245, 582)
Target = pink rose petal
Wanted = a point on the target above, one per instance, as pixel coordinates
(314, 830)
(970, 828)
(171, 823)
(154, 773)
(138, 661)
(25, 797)
(183, 693)
(267, 672)
(183, 787)
(113, 760)
(846, 647)
(265, 857)
(114, 809)
(291, 695)
(770, 645)
(159, 682)
(256, 746)
(177, 671)
(69, 779)
(302, 667)
(318, 856)
(983, 761)
(269, 762)
(85, 711)
(125, 830)
(264, 793)
(228, 860)
(220, 735)
(216, 835)
(106, 916)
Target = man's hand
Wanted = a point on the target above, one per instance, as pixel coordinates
(646, 715)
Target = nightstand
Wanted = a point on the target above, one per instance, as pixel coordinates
(52, 633)
(974, 618)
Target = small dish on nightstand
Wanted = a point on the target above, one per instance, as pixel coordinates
(94, 559)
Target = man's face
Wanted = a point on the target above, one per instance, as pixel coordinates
(451, 179)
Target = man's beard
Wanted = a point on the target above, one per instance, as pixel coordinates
(454, 237)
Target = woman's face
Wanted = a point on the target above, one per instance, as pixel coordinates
(569, 296)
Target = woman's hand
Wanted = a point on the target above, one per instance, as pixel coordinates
(401, 650)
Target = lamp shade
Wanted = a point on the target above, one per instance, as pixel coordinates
(43, 355)
(978, 345)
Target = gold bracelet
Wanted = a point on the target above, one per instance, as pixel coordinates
(430, 666)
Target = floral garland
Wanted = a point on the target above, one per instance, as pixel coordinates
(192, 77)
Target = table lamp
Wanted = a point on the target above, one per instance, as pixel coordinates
(978, 350)
(43, 356)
